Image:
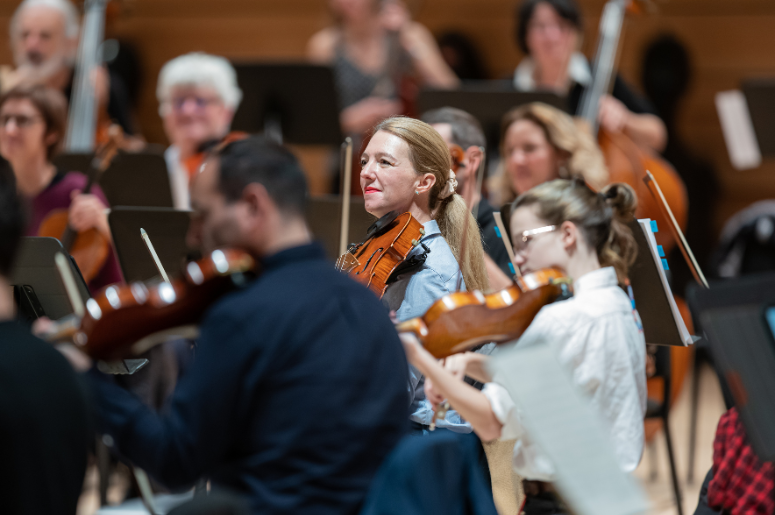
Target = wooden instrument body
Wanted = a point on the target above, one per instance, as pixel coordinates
(463, 320)
(121, 320)
(89, 248)
(373, 262)
(628, 162)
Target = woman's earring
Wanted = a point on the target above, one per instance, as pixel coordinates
(416, 192)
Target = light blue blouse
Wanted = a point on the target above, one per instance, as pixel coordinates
(411, 296)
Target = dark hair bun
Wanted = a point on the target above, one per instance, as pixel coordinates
(622, 199)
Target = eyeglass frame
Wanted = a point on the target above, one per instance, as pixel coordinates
(527, 236)
(29, 121)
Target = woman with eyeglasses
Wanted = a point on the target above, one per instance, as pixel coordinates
(32, 126)
(596, 334)
(198, 96)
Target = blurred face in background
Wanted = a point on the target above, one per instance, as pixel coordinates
(550, 39)
(529, 157)
(39, 40)
(193, 115)
(22, 132)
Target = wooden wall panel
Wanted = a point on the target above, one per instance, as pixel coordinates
(729, 41)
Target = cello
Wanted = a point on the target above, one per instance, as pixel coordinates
(627, 161)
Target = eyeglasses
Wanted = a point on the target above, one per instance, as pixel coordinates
(521, 243)
(200, 103)
(20, 120)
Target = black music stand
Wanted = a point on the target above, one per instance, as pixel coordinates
(166, 228)
(324, 217)
(291, 102)
(760, 97)
(487, 102)
(733, 315)
(133, 179)
(36, 280)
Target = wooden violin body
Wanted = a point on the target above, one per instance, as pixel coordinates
(122, 321)
(388, 243)
(89, 248)
(463, 320)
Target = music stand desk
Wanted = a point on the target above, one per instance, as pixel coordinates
(296, 101)
(166, 228)
(731, 314)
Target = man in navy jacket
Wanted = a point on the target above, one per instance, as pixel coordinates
(297, 391)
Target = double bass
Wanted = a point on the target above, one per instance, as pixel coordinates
(627, 161)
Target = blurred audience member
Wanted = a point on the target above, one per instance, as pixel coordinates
(549, 32)
(374, 46)
(198, 96)
(540, 143)
(44, 40)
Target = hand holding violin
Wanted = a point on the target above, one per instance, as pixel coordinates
(88, 212)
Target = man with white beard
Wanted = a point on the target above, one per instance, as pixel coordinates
(44, 39)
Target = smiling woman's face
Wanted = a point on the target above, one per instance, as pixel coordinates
(388, 178)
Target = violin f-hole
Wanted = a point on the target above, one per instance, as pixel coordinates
(369, 260)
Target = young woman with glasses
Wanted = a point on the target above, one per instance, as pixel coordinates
(596, 333)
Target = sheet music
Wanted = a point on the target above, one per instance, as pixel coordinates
(686, 337)
(739, 135)
(566, 428)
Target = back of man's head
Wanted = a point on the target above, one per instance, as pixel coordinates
(260, 160)
(11, 219)
(466, 130)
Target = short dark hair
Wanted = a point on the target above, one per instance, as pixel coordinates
(258, 159)
(466, 130)
(566, 9)
(52, 106)
(11, 219)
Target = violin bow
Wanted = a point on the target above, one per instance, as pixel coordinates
(152, 250)
(688, 255)
(347, 172)
(507, 243)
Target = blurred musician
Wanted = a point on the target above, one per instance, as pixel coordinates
(32, 126)
(198, 96)
(44, 417)
(44, 39)
(596, 334)
(405, 168)
(540, 143)
(297, 391)
(373, 47)
(549, 32)
(459, 128)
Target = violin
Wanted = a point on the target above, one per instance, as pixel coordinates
(461, 321)
(89, 248)
(627, 161)
(194, 163)
(375, 261)
(122, 321)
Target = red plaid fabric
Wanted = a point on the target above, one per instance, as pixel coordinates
(741, 483)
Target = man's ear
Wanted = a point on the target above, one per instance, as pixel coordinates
(256, 199)
(426, 183)
(475, 156)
